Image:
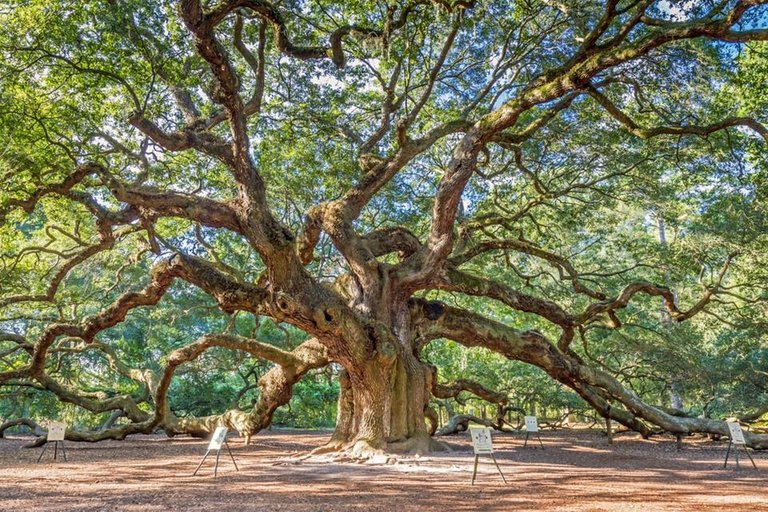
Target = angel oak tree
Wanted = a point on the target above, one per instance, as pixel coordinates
(351, 169)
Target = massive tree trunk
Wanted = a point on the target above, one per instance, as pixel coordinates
(383, 406)
(385, 394)
(366, 321)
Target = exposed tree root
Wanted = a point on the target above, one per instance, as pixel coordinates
(418, 445)
(359, 452)
(332, 446)
(363, 452)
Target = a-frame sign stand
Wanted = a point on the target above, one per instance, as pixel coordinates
(55, 451)
(737, 439)
(219, 438)
(538, 436)
(493, 457)
(482, 444)
(532, 427)
(56, 431)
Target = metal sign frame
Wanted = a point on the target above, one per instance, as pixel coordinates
(736, 439)
(482, 444)
(56, 433)
(531, 420)
(218, 438)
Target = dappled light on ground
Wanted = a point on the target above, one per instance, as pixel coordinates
(578, 471)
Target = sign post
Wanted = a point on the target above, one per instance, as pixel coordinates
(531, 427)
(56, 431)
(219, 438)
(483, 445)
(736, 439)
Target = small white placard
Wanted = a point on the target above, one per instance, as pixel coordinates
(481, 440)
(56, 431)
(219, 435)
(531, 425)
(737, 435)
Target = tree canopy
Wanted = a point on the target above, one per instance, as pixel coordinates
(207, 202)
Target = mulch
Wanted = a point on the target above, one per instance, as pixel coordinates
(578, 471)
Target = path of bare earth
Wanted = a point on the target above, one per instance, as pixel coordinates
(578, 471)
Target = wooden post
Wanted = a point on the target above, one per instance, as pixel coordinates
(45, 447)
(502, 474)
(201, 462)
(230, 454)
(608, 425)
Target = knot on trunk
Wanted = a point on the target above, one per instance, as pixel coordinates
(387, 351)
(385, 343)
(433, 310)
(326, 319)
(281, 303)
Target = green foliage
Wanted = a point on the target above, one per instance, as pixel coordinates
(71, 73)
(312, 405)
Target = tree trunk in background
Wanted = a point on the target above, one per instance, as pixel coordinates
(675, 399)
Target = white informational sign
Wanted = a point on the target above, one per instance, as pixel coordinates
(56, 431)
(481, 440)
(531, 425)
(737, 435)
(219, 435)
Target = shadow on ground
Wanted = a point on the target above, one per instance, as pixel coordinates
(578, 471)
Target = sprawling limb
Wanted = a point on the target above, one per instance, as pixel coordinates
(275, 385)
(453, 389)
(463, 282)
(62, 188)
(699, 130)
(473, 330)
(275, 388)
(460, 422)
(107, 242)
(161, 277)
(95, 402)
(665, 293)
(551, 85)
(18, 422)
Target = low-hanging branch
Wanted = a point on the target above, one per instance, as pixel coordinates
(460, 422)
(275, 390)
(161, 278)
(275, 386)
(474, 330)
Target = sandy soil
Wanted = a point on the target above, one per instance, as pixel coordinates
(577, 471)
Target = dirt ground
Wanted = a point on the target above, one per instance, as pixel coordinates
(578, 471)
